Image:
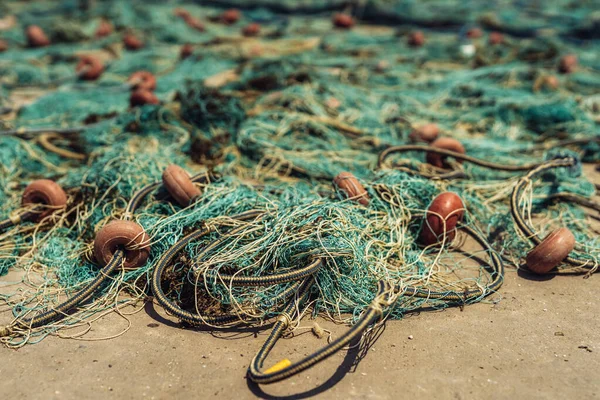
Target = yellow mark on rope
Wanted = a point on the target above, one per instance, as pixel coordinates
(279, 366)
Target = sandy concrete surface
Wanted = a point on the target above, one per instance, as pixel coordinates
(535, 339)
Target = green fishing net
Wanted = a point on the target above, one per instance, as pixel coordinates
(277, 117)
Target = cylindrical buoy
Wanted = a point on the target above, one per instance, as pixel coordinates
(178, 183)
(444, 212)
(36, 37)
(354, 190)
(139, 97)
(126, 235)
(44, 192)
(445, 143)
(551, 251)
(425, 133)
(142, 80)
(89, 68)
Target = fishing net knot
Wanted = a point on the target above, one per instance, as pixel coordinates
(5, 331)
(15, 219)
(285, 319)
(384, 300)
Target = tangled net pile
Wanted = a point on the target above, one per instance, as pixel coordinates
(270, 120)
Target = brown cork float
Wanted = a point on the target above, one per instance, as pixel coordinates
(142, 80)
(36, 36)
(551, 251)
(343, 21)
(425, 133)
(140, 97)
(47, 193)
(416, 39)
(444, 212)
(186, 51)
(548, 82)
(178, 183)
(474, 33)
(567, 63)
(104, 29)
(194, 23)
(551, 82)
(131, 42)
(495, 38)
(231, 16)
(181, 13)
(251, 30)
(445, 143)
(354, 190)
(89, 68)
(122, 234)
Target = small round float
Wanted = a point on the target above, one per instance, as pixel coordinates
(127, 235)
(142, 80)
(251, 30)
(231, 16)
(343, 21)
(178, 183)
(131, 42)
(36, 36)
(425, 133)
(140, 97)
(551, 251)
(444, 212)
(89, 68)
(416, 39)
(446, 143)
(44, 192)
(354, 190)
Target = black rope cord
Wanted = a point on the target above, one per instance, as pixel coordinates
(167, 258)
(463, 157)
(458, 156)
(60, 311)
(37, 131)
(576, 260)
(385, 297)
(575, 198)
(235, 280)
(22, 216)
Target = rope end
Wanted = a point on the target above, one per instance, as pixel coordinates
(5, 331)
